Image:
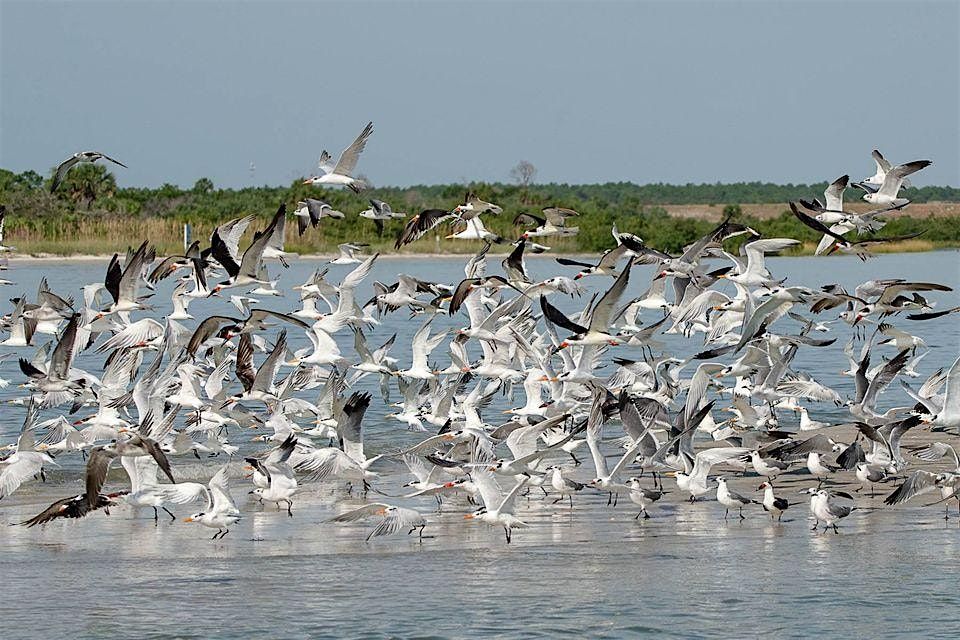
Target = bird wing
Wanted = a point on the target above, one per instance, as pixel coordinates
(951, 399)
(244, 365)
(506, 506)
(268, 370)
(348, 159)
(557, 216)
(396, 519)
(63, 353)
(704, 460)
(182, 492)
(917, 483)
(558, 318)
(350, 426)
(894, 178)
(252, 257)
(220, 498)
(417, 226)
(490, 491)
(62, 170)
(361, 513)
(137, 333)
(603, 310)
(834, 193)
(95, 473)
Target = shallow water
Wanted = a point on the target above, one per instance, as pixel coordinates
(592, 570)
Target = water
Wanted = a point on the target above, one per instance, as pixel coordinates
(592, 570)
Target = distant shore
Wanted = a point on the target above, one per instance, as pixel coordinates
(910, 246)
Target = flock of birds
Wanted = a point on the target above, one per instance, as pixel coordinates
(167, 391)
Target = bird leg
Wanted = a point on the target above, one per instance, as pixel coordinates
(506, 533)
(289, 507)
(571, 500)
(725, 513)
(576, 462)
(215, 535)
(170, 513)
(835, 530)
(545, 494)
(609, 498)
(742, 517)
(43, 476)
(616, 498)
(816, 523)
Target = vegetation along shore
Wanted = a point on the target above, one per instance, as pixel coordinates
(90, 215)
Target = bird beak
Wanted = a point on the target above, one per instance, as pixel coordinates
(491, 468)
(671, 474)
(563, 345)
(308, 181)
(188, 519)
(578, 276)
(468, 516)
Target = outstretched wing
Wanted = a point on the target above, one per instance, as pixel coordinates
(348, 159)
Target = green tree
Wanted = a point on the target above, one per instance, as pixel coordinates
(88, 182)
(202, 186)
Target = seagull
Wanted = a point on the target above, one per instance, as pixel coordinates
(874, 182)
(772, 504)
(380, 211)
(892, 181)
(730, 499)
(949, 415)
(341, 173)
(221, 511)
(826, 511)
(347, 251)
(25, 462)
(77, 158)
(393, 519)
(498, 509)
(642, 497)
(74, 507)
(310, 212)
(553, 223)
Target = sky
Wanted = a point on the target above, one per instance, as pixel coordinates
(676, 92)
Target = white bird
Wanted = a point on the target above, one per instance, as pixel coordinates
(341, 173)
(347, 251)
(221, 512)
(498, 509)
(75, 159)
(393, 519)
(886, 196)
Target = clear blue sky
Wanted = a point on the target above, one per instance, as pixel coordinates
(645, 91)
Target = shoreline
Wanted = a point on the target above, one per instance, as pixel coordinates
(47, 258)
